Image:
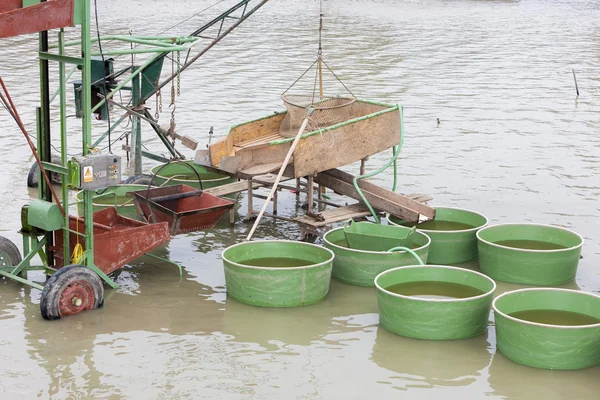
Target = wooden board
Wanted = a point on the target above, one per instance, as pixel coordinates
(347, 144)
(404, 201)
(378, 202)
(335, 215)
(256, 129)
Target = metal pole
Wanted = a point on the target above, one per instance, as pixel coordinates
(62, 90)
(136, 129)
(44, 135)
(86, 105)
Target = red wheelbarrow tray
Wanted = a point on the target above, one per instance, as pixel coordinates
(185, 208)
(117, 239)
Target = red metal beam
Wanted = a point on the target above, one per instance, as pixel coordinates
(9, 5)
(52, 14)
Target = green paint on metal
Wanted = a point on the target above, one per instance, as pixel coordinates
(166, 261)
(136, 124)
(44, 215)
(39, 245)
(359, 267)
(548, 346)
(151, 76)
(434, 319)
(109, 130)
(455, 246)
(178, 174)
(21, 280)
(532, 267)
(277, 287)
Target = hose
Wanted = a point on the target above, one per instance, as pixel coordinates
(411, 252)
(396, 150)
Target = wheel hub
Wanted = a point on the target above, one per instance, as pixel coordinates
(76, 297)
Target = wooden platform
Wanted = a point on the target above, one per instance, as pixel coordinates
(335, 215)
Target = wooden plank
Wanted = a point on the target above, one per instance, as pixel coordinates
(347, 144)
(261, 169)
(376, 201)
(335, 215)
(256, 129)
(230, 188)
(390, 196)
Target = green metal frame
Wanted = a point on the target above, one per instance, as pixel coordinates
(32, 244)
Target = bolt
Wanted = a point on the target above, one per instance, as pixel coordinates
(76, 301)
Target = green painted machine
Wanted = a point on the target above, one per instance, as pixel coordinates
(78, 252)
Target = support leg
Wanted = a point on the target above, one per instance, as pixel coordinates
(310, 194)
(275, 202)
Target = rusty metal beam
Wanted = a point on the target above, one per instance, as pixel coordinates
(52, 14)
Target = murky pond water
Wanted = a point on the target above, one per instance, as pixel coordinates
(513, 142)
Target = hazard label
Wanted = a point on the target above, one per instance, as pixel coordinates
(88, 174)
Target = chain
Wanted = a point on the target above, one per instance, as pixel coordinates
(172, 82)
(158, 100)
(178, 73)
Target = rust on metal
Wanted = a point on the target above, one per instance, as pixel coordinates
(76, 297)
(117, 239)
(185, 208)
(52, 14)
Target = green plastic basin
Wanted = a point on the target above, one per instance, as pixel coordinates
(543, 345)
(115, 196)
(529, 266)
(271, 286)
(179, 174)
(434, 318)
(360, 267)
(451, 246)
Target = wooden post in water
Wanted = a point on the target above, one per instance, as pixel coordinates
(575, 79)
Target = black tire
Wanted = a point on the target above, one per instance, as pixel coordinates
(9, 253)
(138, 180)
(65, 287)
(32, 177)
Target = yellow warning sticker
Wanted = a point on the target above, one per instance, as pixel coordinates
(88, 174)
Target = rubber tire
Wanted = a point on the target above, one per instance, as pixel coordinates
(49, 302)
(32, 177)
(138, 180)
(10, 250)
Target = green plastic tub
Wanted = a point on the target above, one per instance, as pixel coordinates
(179, 174)
(528, 330)
(530, 254)
(376, 237)
(463, 313)
(115, 196)
(452, 234)
(277, 273)
(360, 267)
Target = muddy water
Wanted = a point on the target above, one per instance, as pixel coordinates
(513, 142)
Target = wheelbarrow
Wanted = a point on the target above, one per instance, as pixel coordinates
(117, 239)
(186, 209)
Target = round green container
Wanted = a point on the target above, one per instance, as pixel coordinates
(434, 319)
(115, 196)
(179, 174)
(451, 246)
(527, 265)
(543, 345)
(360, 267)
(267, 286)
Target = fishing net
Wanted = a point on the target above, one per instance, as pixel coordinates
(327, 111)
(306, 94)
